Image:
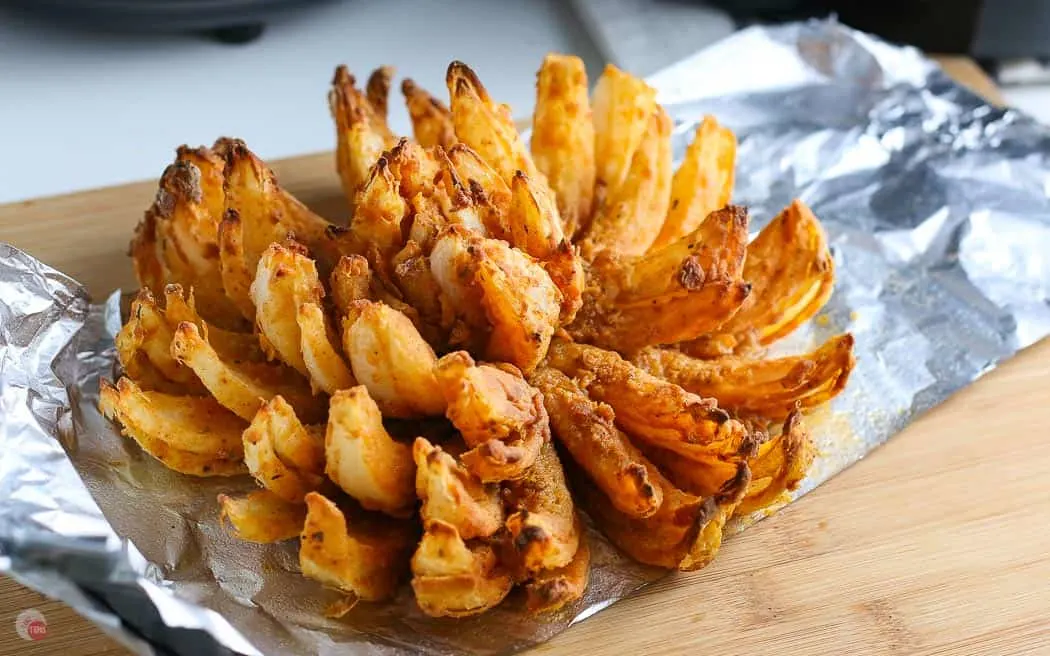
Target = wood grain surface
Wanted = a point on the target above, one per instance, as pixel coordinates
(936, 543)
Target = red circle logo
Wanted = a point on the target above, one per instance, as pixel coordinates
(31, 625)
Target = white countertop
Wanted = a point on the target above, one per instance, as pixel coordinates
(81, 110)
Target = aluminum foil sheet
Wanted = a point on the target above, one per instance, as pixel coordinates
(936, 205)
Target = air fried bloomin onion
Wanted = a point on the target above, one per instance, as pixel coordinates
(406, 385)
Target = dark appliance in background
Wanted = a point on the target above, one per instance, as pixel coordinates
(990, 31)
(229, 21)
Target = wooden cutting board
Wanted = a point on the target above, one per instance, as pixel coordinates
(936, 543)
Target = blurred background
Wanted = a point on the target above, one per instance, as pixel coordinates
(99, 92)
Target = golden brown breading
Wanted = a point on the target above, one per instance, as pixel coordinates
(415, 168)
(379, 210)
(359, 135)
(533, 224)
(770, 388)
(506, 299)
(622, 105)
(268, 212)
(350, 280)
(544, 531)
(650, 408)
(500, 416)
(630, 217)
(244, 386)
(491, 195)
(281, 454)
(456, 203)
(430, 214)
(148, 333)
(139, 369)
(233, 263)
(453, 495)
(721, 482)
(535, 228)
(661, 539)
(431, 119)
(262, 516)
(707, 543)
(668, 320)
(422, 293)
(562, 140)
(287, 293)
(703, 182)
(258, 213)
(453, 262)
(285, 279)
(679, 535)
(679, 292)
(451, 578)
(191, 199)
(792, 274)
(704, 475)
(190, 434)
(185, 216)
(551, 589)
(363, 459)
(779, 467)
(486, 401)
(587, 431)
(714, 251)
(390, 358)
(485, 126)
(143, 343)
(355, 551)
(181, 306)
(324, 362)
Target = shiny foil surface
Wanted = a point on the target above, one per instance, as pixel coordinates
(936, 206)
